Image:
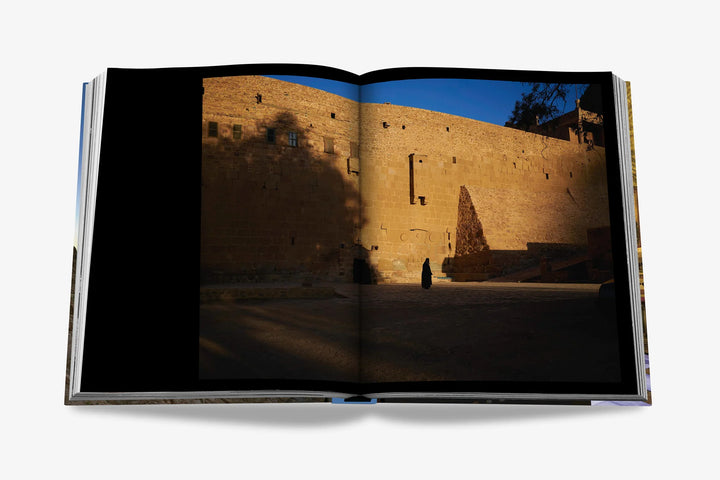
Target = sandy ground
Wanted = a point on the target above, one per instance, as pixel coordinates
(468, 331)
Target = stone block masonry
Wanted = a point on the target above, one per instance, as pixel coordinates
(524, 189)
(279, 199)
(284, 169)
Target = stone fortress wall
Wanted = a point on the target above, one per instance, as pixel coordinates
(478, 199)
(278, 196)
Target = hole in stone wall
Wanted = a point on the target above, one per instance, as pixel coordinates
(332, 115)
(547, 176)
(454, 159)
(386, 125)
(570, 174)
(447, 129)
(403, 127)
(258, 98)
(422, 200)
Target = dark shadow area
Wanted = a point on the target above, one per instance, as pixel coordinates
(541, 262)
(363, 271)
(487, 332)
(475, 260)
(274, 207)
(285, 339)
(278, 209)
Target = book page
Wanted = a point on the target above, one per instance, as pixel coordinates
(280, 223)
(487, 231)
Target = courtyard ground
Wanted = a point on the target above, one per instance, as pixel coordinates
(453, 331)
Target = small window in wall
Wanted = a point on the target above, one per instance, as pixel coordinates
(329, 145)
(237, 132)
(454, 159)
(258, 97)
(270, 135)
(212, 129)
(422, 201)
(386, 125)
(354, 150)
(332, 115)
(292, 139)
(547, 176)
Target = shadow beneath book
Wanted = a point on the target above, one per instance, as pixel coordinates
(321, 415)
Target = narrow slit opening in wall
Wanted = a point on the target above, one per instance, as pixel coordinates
(332, 114)
(386, 125)
(570, 174)
(258, 97)
(454, 159)
(422, 200)
(412, 181)
(547, 176)
(447, 129)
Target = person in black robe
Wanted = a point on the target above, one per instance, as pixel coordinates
(426, 274)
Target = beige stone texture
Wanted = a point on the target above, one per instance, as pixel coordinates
(271, 209)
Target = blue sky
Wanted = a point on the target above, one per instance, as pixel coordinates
(485, 100)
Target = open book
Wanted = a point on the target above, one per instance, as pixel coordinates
(303, 233)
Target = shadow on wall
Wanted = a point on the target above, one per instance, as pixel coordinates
(474, 260)
(363, 271)
(276, 207)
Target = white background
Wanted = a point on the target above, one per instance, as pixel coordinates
(667, 50)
